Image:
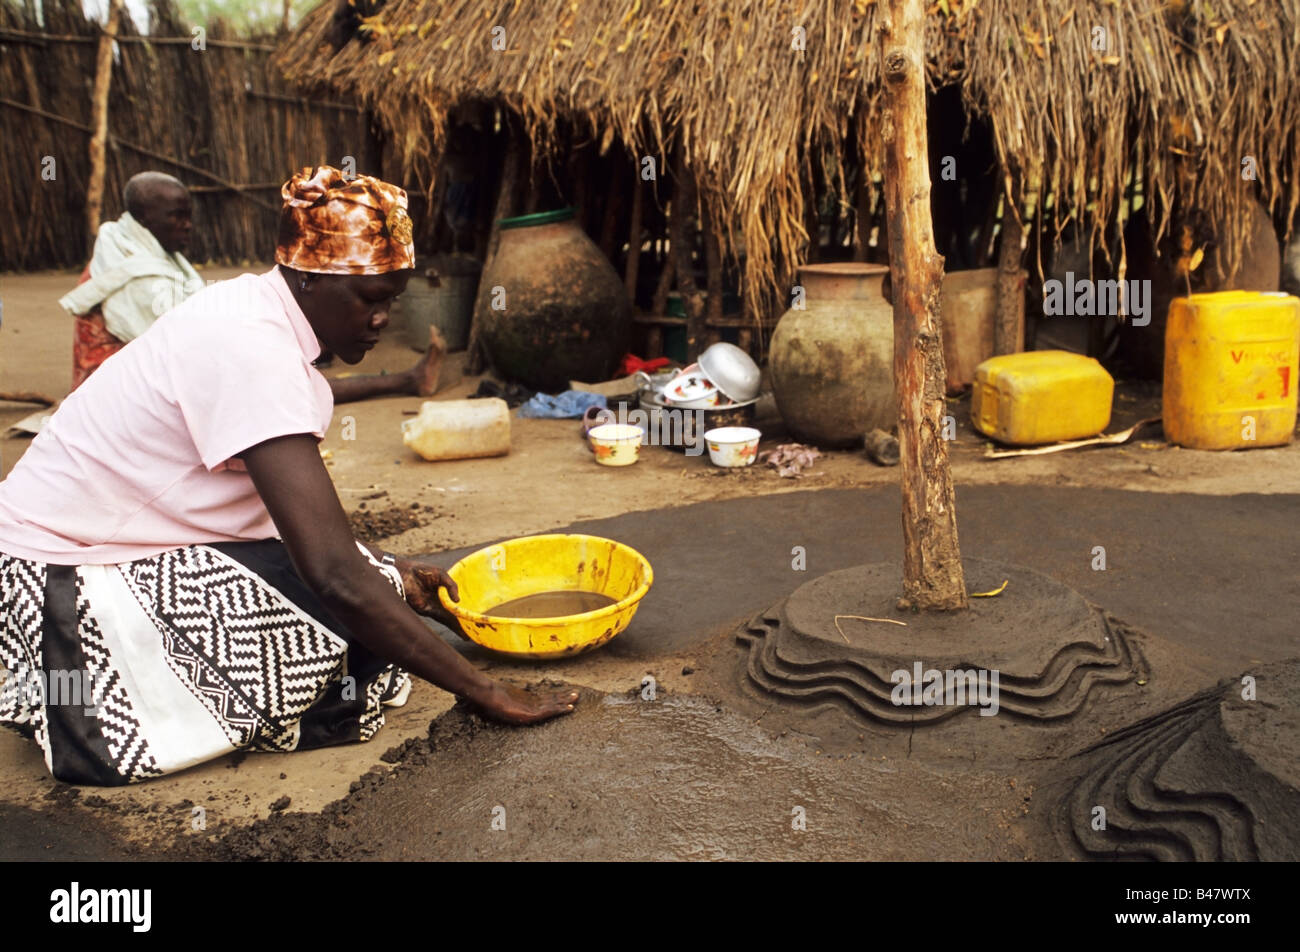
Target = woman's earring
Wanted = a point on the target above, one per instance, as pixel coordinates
(302, 284)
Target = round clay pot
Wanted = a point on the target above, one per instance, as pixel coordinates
(832, 363)
(566, 314)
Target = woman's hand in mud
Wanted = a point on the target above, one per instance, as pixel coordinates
(513, 705)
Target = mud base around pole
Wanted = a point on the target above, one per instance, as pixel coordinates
(1037, 652)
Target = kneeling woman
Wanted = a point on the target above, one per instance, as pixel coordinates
(172, 539)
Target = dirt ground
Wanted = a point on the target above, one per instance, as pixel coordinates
(1189, 520)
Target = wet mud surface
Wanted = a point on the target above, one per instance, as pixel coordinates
(68, 832)
(626, 777)
(717, 774)
(659, 776)
(30, 837)
(1213, 573)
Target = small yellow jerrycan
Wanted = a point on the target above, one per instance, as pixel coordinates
(1041, 396)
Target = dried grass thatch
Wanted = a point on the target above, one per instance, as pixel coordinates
(1182, 91)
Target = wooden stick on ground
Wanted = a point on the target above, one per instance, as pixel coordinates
(882, 448)
(1123, 436)
(887, 621)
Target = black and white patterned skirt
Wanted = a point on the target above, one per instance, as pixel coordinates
(130, 671)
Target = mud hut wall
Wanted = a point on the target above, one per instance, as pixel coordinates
(220, 119)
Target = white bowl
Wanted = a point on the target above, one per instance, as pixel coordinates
(692, 389)
(616, 444)
(732, 445)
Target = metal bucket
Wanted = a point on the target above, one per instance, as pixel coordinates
(447, 305)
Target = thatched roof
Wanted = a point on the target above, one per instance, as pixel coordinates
(1204, 84)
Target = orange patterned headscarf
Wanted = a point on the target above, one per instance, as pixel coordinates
(334, 225)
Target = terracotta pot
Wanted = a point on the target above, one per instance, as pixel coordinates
(566, 315)
(832, 363)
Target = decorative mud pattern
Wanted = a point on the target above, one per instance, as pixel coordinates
(1211, 779)
(1058, 691)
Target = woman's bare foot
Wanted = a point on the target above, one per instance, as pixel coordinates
(425, 373)
(513, 705)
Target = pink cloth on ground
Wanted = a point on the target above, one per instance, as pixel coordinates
(137, 460)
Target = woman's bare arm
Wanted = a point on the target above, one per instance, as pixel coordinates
(299, 495)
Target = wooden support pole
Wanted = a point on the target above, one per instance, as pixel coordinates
(862, 190)
(511, 169)
(435, 226)
(812, 215)
(681, 239)
(99, 119)
(659, 305)
(864, 216)
(580, 176)
(615, 194)
(632, 269)
(932, 569)
(1009, 331)
(713, 268)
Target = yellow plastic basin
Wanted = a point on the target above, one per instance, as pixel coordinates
(548, 563)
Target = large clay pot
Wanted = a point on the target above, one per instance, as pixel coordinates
(832, 363)
(566, 314)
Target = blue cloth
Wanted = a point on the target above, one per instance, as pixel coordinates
(561, 406)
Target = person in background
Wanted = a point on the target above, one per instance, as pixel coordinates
(136, 273)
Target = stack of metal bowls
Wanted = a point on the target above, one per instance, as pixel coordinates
(734, 375)
(732, 371)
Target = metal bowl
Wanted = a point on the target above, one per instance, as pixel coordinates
(732, 370)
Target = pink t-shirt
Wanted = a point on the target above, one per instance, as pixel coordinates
(138, 459)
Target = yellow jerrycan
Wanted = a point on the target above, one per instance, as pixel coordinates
(1230, 369)
(1041, 396)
